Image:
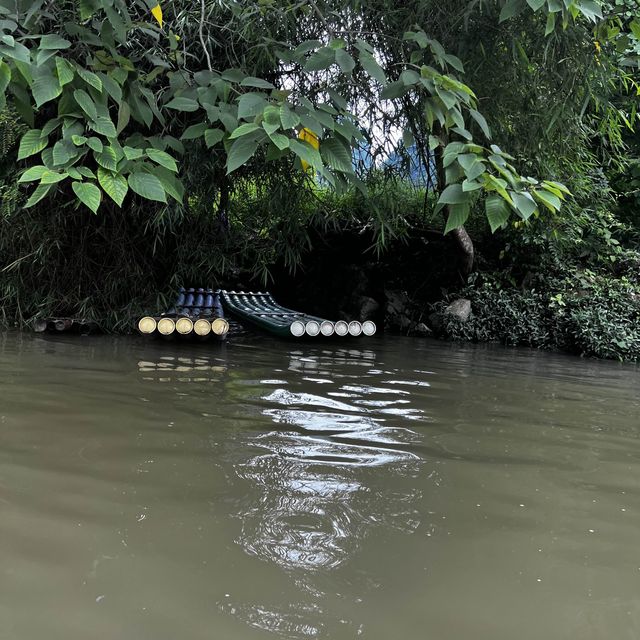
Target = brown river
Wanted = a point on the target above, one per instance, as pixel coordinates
(381, 489)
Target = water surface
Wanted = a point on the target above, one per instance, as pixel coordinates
(385, 488)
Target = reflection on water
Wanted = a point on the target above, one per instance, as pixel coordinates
(252, 490)
(318, 499)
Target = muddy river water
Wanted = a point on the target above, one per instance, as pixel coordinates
(376, 489)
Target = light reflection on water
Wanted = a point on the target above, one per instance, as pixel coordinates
(262, 490)
(313, 476)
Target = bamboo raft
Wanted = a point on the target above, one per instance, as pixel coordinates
(60, 325)
(261, 310)
(196, 312)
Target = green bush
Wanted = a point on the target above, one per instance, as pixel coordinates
(584, 313)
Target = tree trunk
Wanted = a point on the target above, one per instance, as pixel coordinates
(460, 235)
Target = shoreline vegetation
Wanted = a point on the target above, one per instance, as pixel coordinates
(469, 172)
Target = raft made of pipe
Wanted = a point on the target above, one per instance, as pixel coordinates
(260, 309)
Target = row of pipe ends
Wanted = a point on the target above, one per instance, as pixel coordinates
(183, 326)
(327, 328)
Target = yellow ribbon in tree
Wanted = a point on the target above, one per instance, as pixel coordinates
(308, 136)
(156, 12)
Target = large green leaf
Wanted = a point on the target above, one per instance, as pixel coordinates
(104, 126)
(106, 158)
(394, 90)
(241, 150)
(307, 153)
(336, 154)
(497, 211)
(281, 142)
(45, 86)
(86, 103)
(53, 177)
(132, 153)
(258, 83)
(162, 158)
(113, 184)
(65, 71)
(536, 4)
(124, 115)
(182, 104)
(17, 52)
(458, 214)
(41, 191)
(454, 194)
(52, 41)
(370, 65)
(170, 183)
(112, 87)
(482, 123)
(549, 200)
(512, 8)
(250, 105)
(323, 58)
(213, 136)
(63, 151)
(345, 61)
(525, 204)
(32, 142)
(5, 76)
(289, 118)
(194, 131)
(95, 144)
(90, 78)
(147, 186)
(243, 130)
(33, 173)
(88, 194)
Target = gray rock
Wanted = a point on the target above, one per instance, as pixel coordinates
(421, 329)
(368, 307)
(460, 308)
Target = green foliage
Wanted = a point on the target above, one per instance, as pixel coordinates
(150, 98)
(582, 313)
